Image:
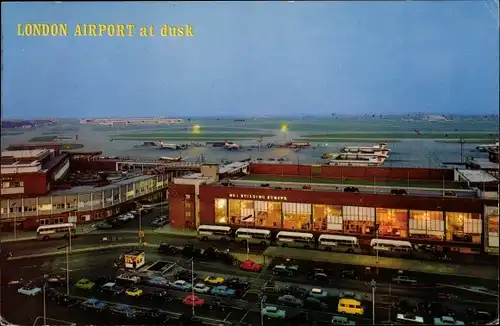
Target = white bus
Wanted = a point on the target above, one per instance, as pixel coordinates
(55, 231)
(391, 247)
(343, 243)
(295, 239)
(214, 232)
(258, 236)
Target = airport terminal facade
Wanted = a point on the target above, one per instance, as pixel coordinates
(465, 224)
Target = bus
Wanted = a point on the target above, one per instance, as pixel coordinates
(56, 231)
(214, 232)
(295, 239)
(257, 236)
(343, 243)
(392, 247)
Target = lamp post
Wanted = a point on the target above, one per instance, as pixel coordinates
(192, 284)
(44, 305)
(248, 249)
(373, 285)
(67, 266)
(376, 235)
(261, 309)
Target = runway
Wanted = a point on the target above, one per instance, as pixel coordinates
(246, 308)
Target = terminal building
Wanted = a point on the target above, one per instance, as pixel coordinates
(131, 121)
(41, 185)
(450, 208)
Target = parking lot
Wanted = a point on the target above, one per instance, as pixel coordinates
(243, 307)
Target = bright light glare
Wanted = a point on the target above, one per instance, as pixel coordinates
(196, 129)
(284, 128)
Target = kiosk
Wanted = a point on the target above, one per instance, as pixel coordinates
(134, 259)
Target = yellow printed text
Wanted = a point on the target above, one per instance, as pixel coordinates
(104, 30)
(185, 30)
(42, 29)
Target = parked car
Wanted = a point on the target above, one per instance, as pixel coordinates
(351, 189)
(159, 282)
(181, 285)
(222, 290)
(56, 280)
(214, 280)
(318, 274)
(290, 300)
(349, 274)
(398, 192)
(402, 279)
(85, 284)
(341, 320)
(166, 248)
(124, 310)
(314, 304)
(129, 278)
(66, 301)
(220, 305)
(201, 288)
(134, 292)
(94, 304)
(250, 265)
(29, 290)
(476, 316)
(318, 293)
(112, 288)
(447, 320)
(349, 295)
(159, 295)
(237, 284)
(193, 300)
(104, 226)
(273, 312)
(281, 270)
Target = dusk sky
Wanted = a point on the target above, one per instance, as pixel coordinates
(255, 58)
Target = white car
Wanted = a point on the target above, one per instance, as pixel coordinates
(129, 277)
(201, 288)
(29, 290)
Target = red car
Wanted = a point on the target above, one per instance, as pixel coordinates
(250, 265)
(193, 300)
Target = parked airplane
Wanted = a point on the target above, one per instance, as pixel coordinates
(172, 159)
(231, 146)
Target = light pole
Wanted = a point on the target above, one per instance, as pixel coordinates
(262, 310)
(390, 297)
(192, 284)
(248, 249)
(376, 230)
(373, 285)
(67, 267)
(44, 305)
(69, 236)
(140, 225)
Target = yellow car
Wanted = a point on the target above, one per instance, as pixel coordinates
(215, 280)
(134, 292)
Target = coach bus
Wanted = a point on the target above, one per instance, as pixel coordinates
(55, 231)
(391, 247)
(342, 243)
(214, 232)
(295, 239)
(255, 236)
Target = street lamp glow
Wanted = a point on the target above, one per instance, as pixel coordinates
(196, 129)
(284, 128)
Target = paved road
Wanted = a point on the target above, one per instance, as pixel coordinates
(246, 307)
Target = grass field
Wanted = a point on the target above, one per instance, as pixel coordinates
(12, 133)
(191, 136)
(71, 146)
(48, 138)
(408, 135)
(348, 140)
(401, 184)
(467, 141)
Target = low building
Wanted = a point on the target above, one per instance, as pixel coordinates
(130, 121)
(438, 207)
(43, 186)
(31, 171)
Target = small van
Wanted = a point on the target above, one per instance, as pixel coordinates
(350, 307)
